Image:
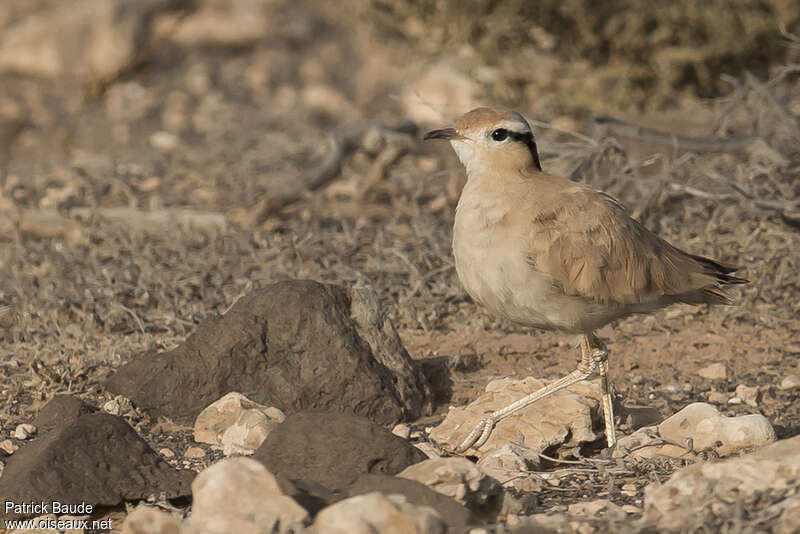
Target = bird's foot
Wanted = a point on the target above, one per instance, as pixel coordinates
(478, 436)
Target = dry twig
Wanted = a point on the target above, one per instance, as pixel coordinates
(695, 144)
(341, 142)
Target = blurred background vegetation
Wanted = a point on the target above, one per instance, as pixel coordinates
(645, 53)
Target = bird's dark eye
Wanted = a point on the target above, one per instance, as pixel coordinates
(500, 134)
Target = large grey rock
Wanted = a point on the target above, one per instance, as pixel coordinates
(334, 449)
(293, 345)
(92, 458)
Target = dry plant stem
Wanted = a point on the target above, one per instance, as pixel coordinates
(157, 219)
(695, 144)
(788, 209)
(378, 171)
(761, 89)
(608, 405)
(341, 142)
(593, 356)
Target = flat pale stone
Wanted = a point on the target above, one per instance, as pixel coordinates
(697, 427)
(688, 494)
(236, 423)
(707, 428)
(241, 495)
(373, 513)
(564, 418)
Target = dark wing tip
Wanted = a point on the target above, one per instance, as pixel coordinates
(721, 271)
(732, 280)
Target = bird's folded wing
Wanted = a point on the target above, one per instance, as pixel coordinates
(586, 241)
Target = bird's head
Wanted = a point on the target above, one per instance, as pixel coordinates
(485, 139)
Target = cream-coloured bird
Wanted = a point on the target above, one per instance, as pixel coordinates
(543, 251)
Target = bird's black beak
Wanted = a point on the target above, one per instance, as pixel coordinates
(447, 134)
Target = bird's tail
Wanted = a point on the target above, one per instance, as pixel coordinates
(721, 272)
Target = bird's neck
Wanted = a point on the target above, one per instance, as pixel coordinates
(498, 179)
(488, 197)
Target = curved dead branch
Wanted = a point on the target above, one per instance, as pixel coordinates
(341, 142)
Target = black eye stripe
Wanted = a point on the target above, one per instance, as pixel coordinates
(527, 139)
(518, 136)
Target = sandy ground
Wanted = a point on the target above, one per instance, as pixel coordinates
(215, 127)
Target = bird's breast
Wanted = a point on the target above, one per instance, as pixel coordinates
(491, 263)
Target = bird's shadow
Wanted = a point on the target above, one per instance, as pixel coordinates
(437, 375)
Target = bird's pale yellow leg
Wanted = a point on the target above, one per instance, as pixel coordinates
(593, 356)
(595, 346)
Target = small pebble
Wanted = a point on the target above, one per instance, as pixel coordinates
(629, 489)
(373, 141)
(24, 431)
(714, 371)
(112, 407)
(402, 431)
(735, 400)
(717, 397)
(790, 382)
(749, 394)
(275, 413)
(166, 453)
(194, 452)
(428, 164)
(164, 141)
(8, 446)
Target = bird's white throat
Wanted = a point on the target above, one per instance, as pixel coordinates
(466, 154)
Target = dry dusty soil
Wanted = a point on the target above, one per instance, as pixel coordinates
(200, 126)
